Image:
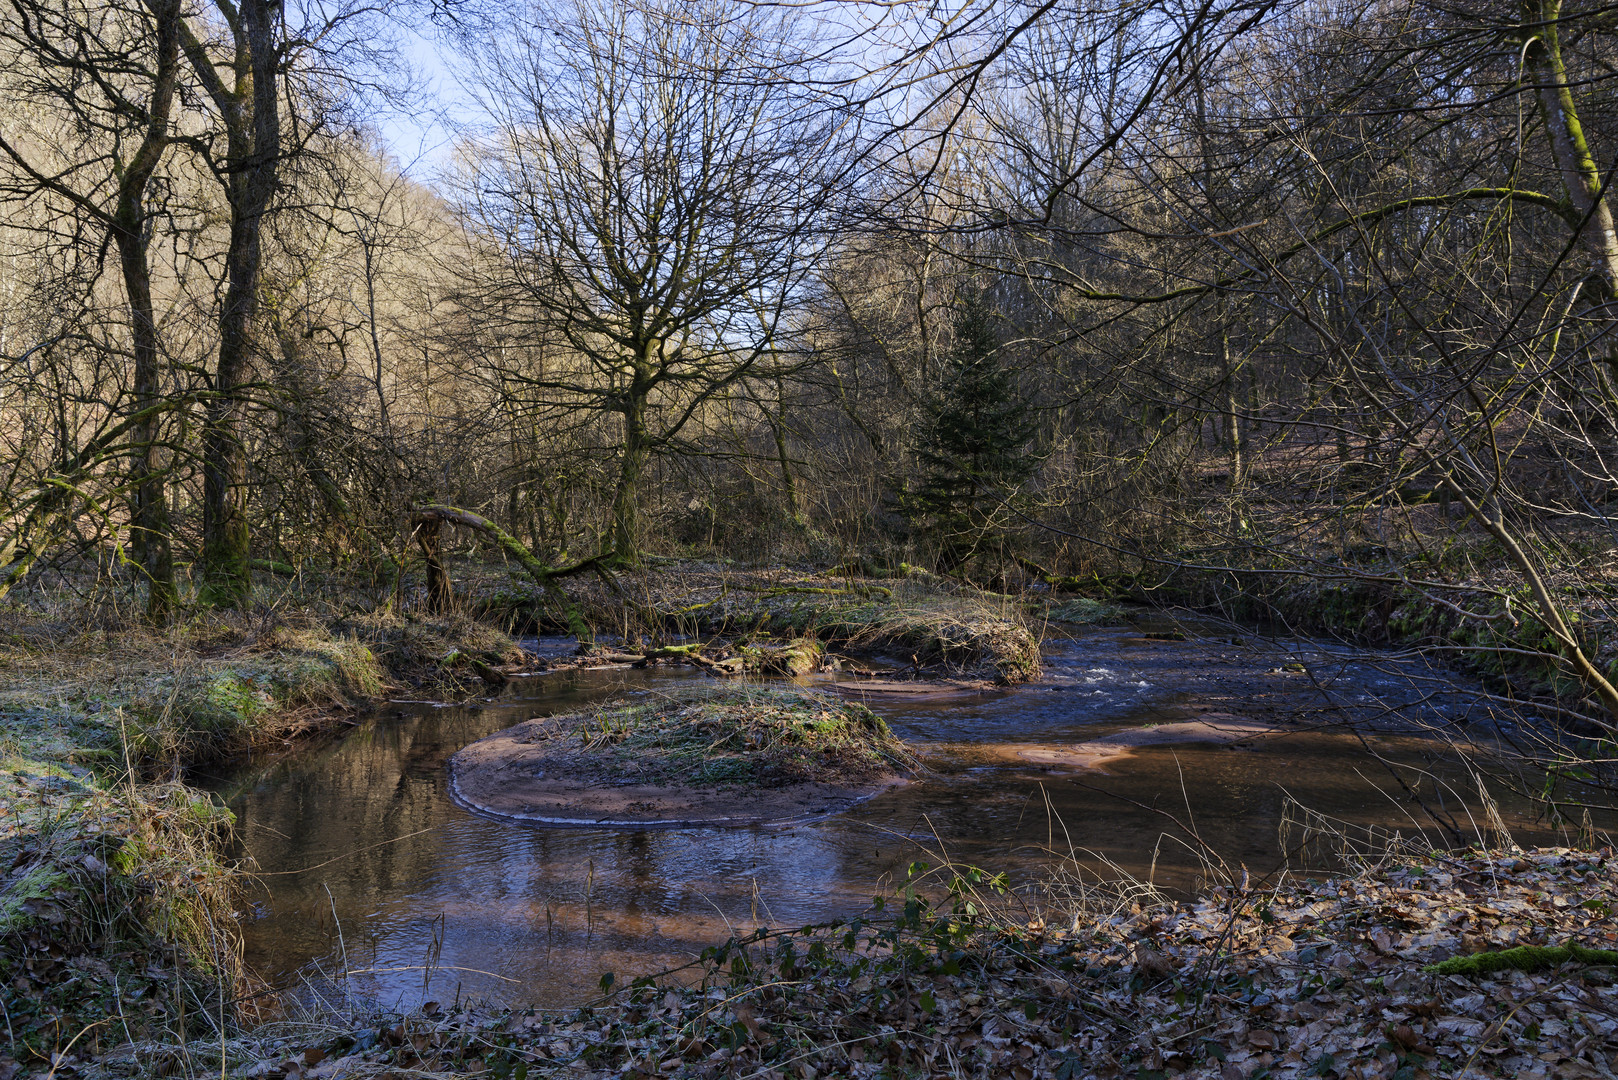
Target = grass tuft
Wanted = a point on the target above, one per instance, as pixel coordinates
(735, 734)
(115, 913)
(963, 631)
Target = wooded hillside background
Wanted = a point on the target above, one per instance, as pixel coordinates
(1028, 293)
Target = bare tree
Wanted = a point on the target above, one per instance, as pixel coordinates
(102, 79)
(656, 188)
(273, 78)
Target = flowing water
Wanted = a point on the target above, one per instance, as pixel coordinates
(372, 875)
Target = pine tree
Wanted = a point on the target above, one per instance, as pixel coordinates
(972, 444)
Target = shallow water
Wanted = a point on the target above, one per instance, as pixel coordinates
(373, 875)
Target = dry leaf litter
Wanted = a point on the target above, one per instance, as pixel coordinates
(1313, 979)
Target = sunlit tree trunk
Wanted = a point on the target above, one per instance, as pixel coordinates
(1542, 57)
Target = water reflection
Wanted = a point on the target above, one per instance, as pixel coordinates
(369, 867)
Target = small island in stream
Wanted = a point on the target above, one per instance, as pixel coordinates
(733, 755)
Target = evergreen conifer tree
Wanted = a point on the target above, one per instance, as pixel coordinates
(972, 444)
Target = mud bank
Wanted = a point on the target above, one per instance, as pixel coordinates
(1095, 755)
(728, 756)
(945, 627)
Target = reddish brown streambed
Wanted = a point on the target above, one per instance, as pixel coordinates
(376, 881)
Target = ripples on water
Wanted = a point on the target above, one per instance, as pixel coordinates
(371, 870)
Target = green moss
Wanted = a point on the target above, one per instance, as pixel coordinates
(1522, 958)
(226, 701)
(333, 669)
(109, 890)
(212, 707)
(28, 898)
(197, 714)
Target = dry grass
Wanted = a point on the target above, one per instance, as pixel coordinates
(212, 685)
(116, 912)
(962, 630)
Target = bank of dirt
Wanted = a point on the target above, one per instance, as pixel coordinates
(115, 698)
(938, 626)
(729, 756)
(1096, 754)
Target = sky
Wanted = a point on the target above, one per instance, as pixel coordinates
(422, 141)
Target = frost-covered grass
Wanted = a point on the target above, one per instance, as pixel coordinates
(115, 909)
(216, 683)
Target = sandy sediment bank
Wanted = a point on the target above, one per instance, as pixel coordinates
(1096, 754)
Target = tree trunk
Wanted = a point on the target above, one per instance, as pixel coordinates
(226, 551)
(440, 596)
(1235, 438)
(626, 498)
(153, 548)
(1542, 61)
(427, 519)
(250, 113)
(789, 486)
(1542, 56)
(1235, 441)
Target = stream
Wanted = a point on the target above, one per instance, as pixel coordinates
(373, 881)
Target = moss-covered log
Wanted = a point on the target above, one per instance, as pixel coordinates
(427, 519)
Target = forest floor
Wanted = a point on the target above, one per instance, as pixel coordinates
(1329, 978)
